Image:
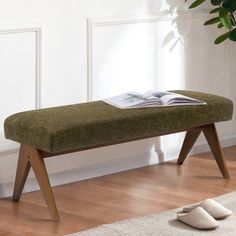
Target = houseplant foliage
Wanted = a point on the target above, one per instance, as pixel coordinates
(224, 16)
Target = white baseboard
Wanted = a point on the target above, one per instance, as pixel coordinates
(87, 172)
(110, 167)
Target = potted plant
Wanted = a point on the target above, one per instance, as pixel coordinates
(224, 16)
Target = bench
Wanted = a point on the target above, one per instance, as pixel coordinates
(54, 131)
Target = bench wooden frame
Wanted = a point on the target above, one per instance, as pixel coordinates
(32, 157)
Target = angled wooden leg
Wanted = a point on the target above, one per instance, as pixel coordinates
(190, 139)
(40, 171)
(23, 168)
(214, 143)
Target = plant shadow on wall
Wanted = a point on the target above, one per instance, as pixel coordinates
(223, 15)
(203, 71)
(178, 33)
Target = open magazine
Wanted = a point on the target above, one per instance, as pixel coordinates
(151, 99)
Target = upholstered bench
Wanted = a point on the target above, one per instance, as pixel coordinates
(55, 131)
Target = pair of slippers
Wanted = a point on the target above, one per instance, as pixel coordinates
(204, 215)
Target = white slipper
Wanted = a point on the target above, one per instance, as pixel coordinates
(215, 209)
(199, 219)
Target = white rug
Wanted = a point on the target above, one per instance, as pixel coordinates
(165, 224)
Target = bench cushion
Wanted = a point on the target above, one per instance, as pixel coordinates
(92, 124)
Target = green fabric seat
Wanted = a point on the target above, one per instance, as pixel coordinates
(92, 124)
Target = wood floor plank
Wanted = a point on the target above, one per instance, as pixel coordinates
(115, 197)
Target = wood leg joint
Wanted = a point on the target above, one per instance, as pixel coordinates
(31, 157)
(213, 141)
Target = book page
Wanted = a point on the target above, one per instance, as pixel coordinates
(133, 100)
(178, 99)
(169, 98)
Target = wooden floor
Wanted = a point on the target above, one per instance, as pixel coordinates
(139, 192)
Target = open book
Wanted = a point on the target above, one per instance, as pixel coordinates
(151, 99)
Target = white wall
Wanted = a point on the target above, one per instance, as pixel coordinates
(68, 51)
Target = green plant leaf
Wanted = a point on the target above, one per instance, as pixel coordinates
(225, 18)
(220, 25)
(223, 12)
(229, 5)
(222, 38)
(215, 10)
(226, 21)
(232, 35)
(216, 2)
(212, 21)
(196, 3)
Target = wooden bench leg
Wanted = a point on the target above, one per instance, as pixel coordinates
(190, 138)
(40, 171)
(32, 157)
(23, 168)
(214, 143)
